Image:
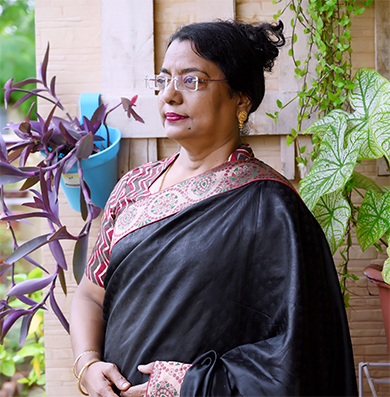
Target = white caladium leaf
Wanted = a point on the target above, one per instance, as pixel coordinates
(379, 123)
(332, 212)
(370, 87)
(373, 219)
(321, 126)
(386, 268)
(334, 165)
(370, 148)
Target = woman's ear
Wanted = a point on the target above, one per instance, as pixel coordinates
(243, 104)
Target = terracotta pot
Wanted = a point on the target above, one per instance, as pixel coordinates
(373, 273)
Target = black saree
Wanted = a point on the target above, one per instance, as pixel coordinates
(242, 285)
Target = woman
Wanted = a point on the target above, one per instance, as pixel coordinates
(210, 277)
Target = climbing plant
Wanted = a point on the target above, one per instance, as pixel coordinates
(328, 88)
(326, 70)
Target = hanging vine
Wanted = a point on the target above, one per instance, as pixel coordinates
(326, 72)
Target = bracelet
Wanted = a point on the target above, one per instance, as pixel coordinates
(81, 374)
(78, 358)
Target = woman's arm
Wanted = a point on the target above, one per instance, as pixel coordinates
(87, 335)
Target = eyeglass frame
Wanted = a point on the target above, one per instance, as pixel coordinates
(175, 82)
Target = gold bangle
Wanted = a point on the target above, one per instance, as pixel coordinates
(78, 358)
(81, 374)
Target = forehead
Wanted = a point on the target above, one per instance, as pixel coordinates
(180, 58)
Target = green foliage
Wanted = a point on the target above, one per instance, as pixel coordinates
(353, 125)
(31, 355)
(17, 44)
(346, 138)
(327, 30)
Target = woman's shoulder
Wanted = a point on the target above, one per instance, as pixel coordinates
(135, 183)
(258, 170)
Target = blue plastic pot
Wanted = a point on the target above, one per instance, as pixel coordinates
(100, 169)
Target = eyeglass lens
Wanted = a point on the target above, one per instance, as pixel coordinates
(181, 83)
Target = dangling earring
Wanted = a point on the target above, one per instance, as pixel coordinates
(241, 119)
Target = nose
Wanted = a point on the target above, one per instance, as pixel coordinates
(169, 94)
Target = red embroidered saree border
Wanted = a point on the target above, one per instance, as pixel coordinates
(166, 379)
(176, 198)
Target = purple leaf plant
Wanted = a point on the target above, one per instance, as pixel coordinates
(64, 142)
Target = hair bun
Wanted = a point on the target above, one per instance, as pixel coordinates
(265, 38)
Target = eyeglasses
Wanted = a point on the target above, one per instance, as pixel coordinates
(181, 83)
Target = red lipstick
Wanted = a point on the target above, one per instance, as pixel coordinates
(173, 117)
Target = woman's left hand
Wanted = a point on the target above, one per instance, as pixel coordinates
(139, 390)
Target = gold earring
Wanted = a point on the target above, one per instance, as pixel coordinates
(241, 119)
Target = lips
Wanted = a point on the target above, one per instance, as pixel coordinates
(174, 117)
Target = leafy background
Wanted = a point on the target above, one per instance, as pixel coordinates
(17, 44)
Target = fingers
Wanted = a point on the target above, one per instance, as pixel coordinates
(146, 368)
(100, 378)
(117, 378)
(135, 391)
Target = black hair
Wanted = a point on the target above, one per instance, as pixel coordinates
(241, 51)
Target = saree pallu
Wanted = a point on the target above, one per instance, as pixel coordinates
(242, 285)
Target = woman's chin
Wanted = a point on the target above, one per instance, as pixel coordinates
(177, 132)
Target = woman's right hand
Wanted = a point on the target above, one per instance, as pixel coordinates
(99, 379)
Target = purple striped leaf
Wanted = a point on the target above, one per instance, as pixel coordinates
(32, 285)
(11, 174)
(69, 163)
(18, 217)
(58, 312)
(28, 117)
(61, 276)
(35, 263)
(4, 268)
(3, 150)
(53, 86)
(58, 254)
(8, 90)
(22, 99)
(24, 155)
(43, 68)
(80, 257)
(10, 320)
(85, 147)
(27, 247)
(25, 326)
(26, 300)
(25, 82)
(4, 313)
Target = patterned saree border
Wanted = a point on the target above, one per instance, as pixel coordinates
(169, 201)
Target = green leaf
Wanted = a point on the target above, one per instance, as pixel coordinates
(279, 103)
(363, 182)
(332, 212)
(379, 123)
(373, 218)
(321, 126)
(386, 268)
(31, 350)
(370, 148)
(8, 368)
(334, 165)
(370, 87)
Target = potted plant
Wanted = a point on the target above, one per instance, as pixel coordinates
(65, 143)
(345, 139)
